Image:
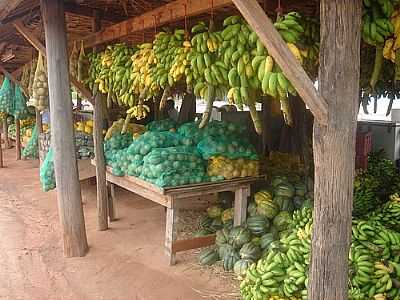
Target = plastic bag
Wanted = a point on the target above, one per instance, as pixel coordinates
(20, 110)
(47, 177)
(6, 97)
(173, 166)
(162, 125)
(31, 150)
(225, 146)
(232, 168)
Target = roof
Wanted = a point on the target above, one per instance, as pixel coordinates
(15, 51)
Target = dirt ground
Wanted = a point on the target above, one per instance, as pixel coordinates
(125, 262)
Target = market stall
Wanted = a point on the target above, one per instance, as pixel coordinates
(231, 51)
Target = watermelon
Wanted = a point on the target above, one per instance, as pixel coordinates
(222, 237)
(258, 225)
(241, 266)
(224, 249)
(278, 180)
(262, 196)
(266, 240)
(284, 203)
(214, 211)
(298, 202)
(216, 224)
(208, 256)
(202, 232)
(284, 189)
(227, 215)
(300, 189)
(205, 222)
(268, 209)
(239, 236)
(229, 260)
(282, 220)
(250, 251)
(252, 209)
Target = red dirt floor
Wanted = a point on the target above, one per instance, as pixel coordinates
(125, 262)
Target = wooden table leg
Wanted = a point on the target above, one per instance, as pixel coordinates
(171, 233)
(111, 202)
(241, 195)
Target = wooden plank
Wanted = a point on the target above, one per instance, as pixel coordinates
(334, 149)
(127, 184)
(171, 233)
(167, 13)
(278, 49)
(240, 205)
(35, 42)
(193, 243)
(62, 132)
(8, 6)
(18, 139)
(85, 169)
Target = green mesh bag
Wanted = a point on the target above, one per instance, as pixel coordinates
(174, 166)
(20, 110)
(6, 97)
(161, 125)
(31, 150)
(228, 147)
(47, 178)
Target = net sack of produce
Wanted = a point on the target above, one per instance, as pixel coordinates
(144, 144)
(20, 110)
(117, 142)
(40, 91)
(161, 125)
(31, 150)
(47, 178)
(83, 65)
(6, 96)
(173, 166)
(232, 168)
(191, 133)
(227, 146)
(218, 128)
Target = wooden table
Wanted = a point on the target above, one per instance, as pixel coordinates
(177, 197)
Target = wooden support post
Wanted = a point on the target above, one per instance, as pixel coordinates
(171, 233)
(241, 195)
(62, 132)
(102, 209)
(39, 126)
(334, 149)
(18, 139)
(112, 211)
(278, 49)
(102, 193)
(5, 132)
(267, 125)
(1, 153)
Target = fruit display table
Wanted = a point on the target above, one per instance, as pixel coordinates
(183, 196)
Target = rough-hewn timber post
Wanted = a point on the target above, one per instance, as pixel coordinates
(5, 133)
(334, 149)
(18, 139)
(102, 192)
(1, 153)
(62, 139)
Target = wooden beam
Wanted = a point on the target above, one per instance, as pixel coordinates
(334, 149)
(278, 49)
(12, 78)
(35, 42)
(170, 12)
(62, 131)
(79, 10)
(8, 6)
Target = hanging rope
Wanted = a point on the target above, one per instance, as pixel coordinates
(186, 24)
(212, 10)
(155, 24)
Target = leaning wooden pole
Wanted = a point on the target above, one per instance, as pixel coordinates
(98, 117)
(18, 139)
(334, 148)
(62, 139)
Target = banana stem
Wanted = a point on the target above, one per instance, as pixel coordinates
(377, 66)
(287, 111)
(210, 100)
(126, 123)
(255, 117)
(164, 97)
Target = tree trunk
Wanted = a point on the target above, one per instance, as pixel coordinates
(62, 132)
(187, 112)
(334, 149)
